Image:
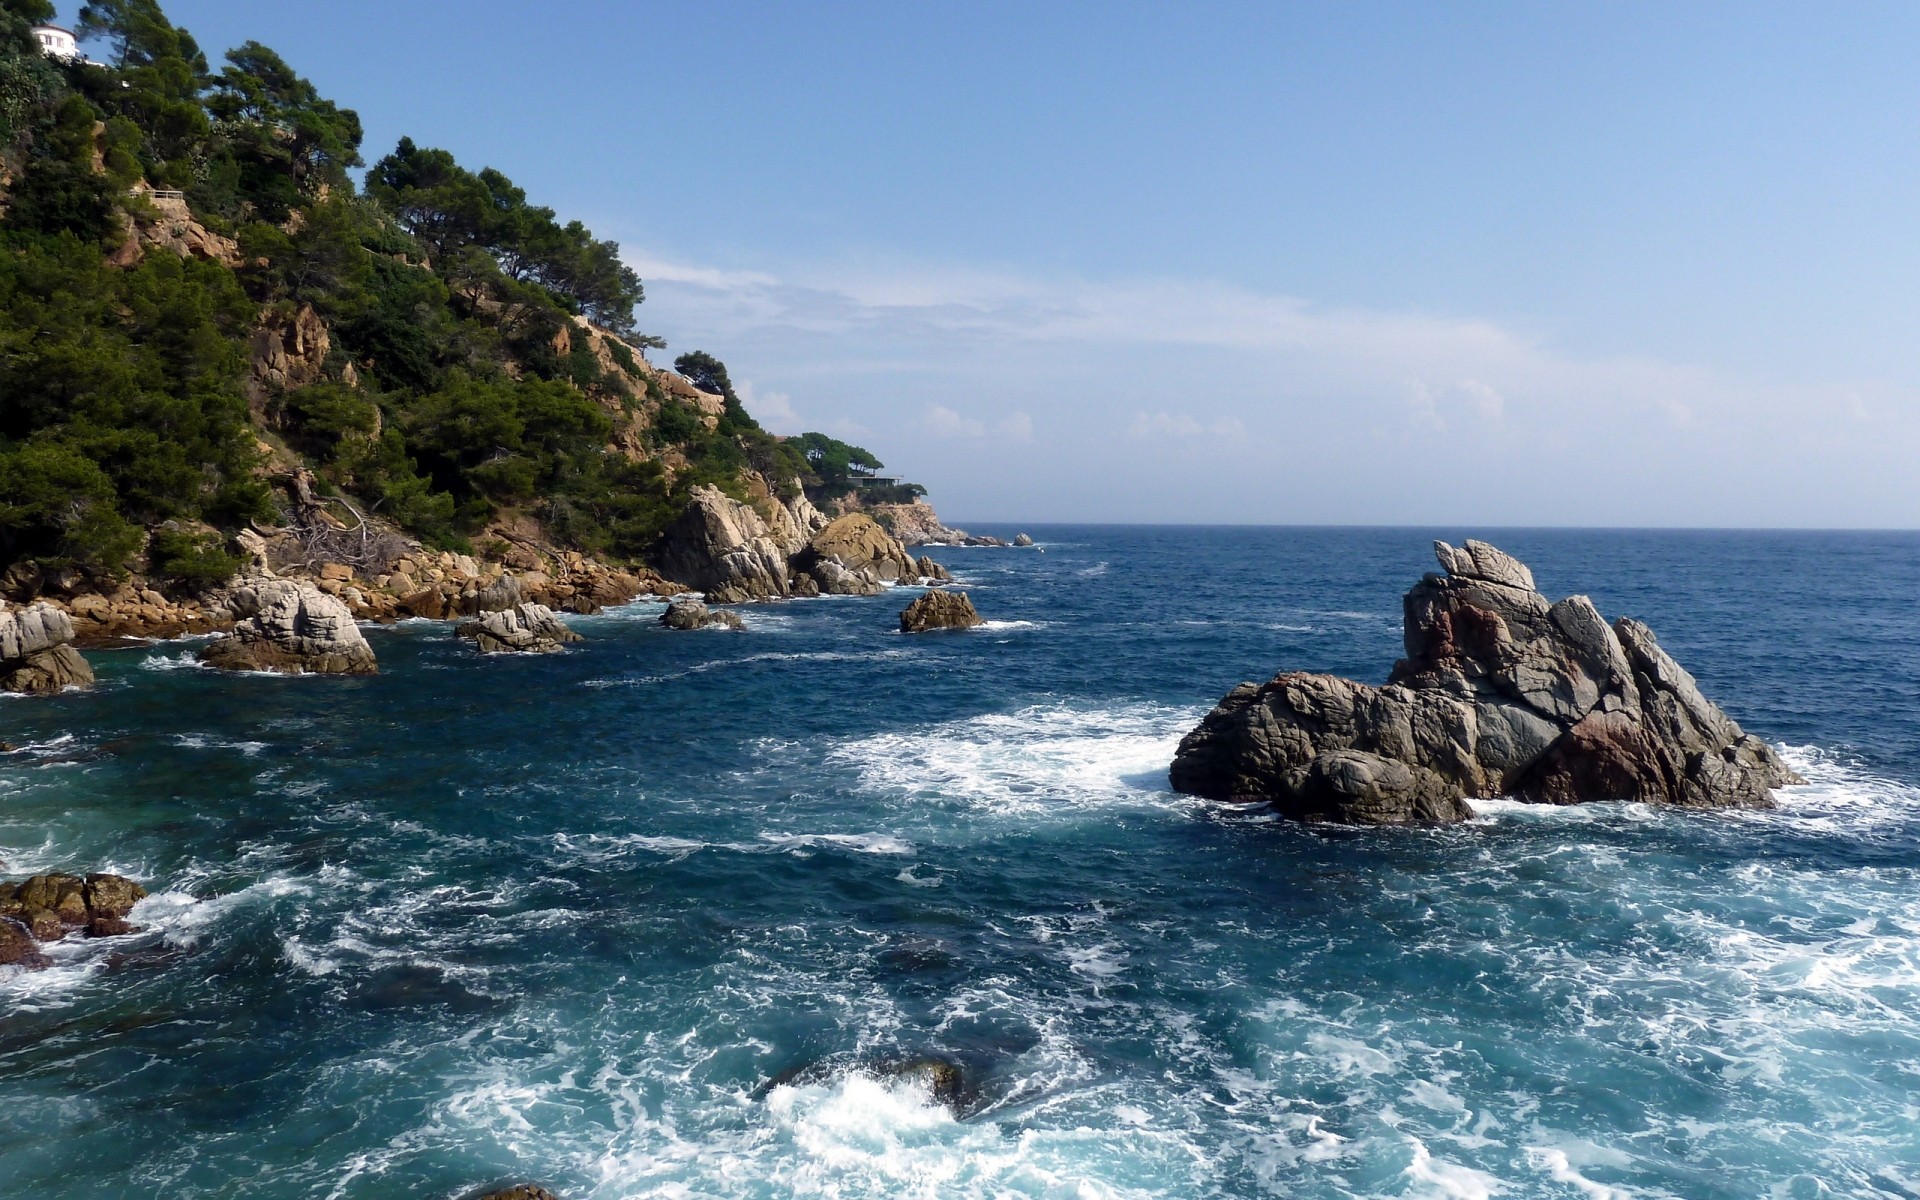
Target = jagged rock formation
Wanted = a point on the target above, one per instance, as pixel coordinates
(859, 544)
(292, 627)
(1501, 693)
(170, 225)
(939, 609)
(931, 571)
(917, 524)
(290, 352)
(772, 549)
(36, 654)
(46, 908)
(520, 629)
(724, 548)
(692, 614)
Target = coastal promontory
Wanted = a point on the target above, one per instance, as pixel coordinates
(1501, 693)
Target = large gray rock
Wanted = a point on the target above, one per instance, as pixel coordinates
(1501, 693)
(835, 578)
(35, 651)
(293, 628)
(522, 629)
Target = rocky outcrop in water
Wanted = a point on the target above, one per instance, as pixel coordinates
(939, 609)
(521, 629)
(46, 908)
(772, 549)
(36, 651)
(519, 1191)
(917, 524)
(1502, 692)
(291, 627)
(860, 544)
(692, 614)
(725, 548)
(1022, 540)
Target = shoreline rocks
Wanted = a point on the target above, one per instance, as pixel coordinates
(521, 629)
(1501, 693)
(46, 908)
(940, 609)
(36, 651)
(293, 628)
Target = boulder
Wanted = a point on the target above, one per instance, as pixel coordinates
(1022, 540)
(1501, 693)
(290, 627)
(692, 614)
(930, 571)
(36, 651)
(939, 610)
(518, 1191)
(859, 542)
(45, 908)
(522, 629)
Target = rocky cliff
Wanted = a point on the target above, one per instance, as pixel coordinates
(1501, 693)
(36, 654)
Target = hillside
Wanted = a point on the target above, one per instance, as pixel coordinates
(217, 344)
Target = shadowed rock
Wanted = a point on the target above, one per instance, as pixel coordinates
(1501, 693)
(692, 614)
(939, 610)
(45, 908)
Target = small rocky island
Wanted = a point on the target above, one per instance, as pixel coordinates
(1502, 693)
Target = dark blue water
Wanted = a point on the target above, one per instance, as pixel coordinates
(560, 918)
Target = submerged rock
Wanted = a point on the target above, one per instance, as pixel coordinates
(36, 651)
(692, 614)
(945, 1080)
(522, 629)
(1501, 693)
(291, 627)
(45, 908)
(518, 1191)
(939, 610)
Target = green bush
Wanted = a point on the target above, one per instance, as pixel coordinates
(191, 560)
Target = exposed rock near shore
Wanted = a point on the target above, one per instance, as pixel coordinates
(36, 651)
(692, 614)
(917, 524)
(1501, 693)
(940, 609)
(770, 549)
(1022, 540)
(292, 627)
(522, 629)
(46, 908)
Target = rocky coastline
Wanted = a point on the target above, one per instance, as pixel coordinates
(1501, 693)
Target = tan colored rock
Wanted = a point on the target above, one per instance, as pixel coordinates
(940, 610)
(859, 542)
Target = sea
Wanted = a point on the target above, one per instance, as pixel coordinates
(659, 916)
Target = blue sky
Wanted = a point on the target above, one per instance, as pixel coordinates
(1619, 263)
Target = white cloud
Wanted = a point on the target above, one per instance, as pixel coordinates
(943, 422)
(772, 409)
(943, 364)
(1183, 425)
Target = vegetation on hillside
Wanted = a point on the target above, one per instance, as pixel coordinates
(460, 387)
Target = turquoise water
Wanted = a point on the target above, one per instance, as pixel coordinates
(561, 918)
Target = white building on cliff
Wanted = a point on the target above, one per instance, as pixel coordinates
(56, 42)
